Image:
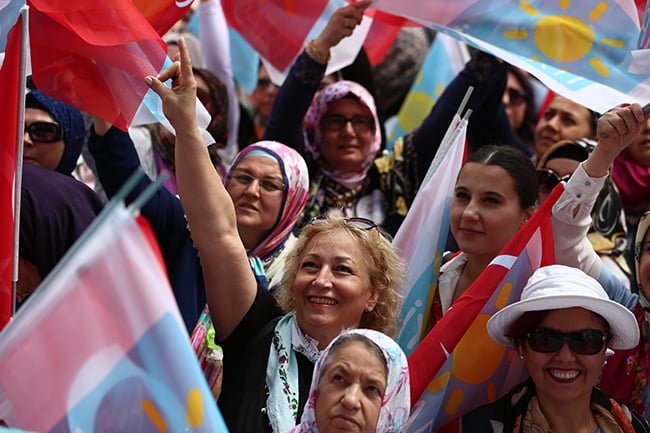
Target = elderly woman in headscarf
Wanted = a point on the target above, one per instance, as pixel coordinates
(360, 382)
(55, 210)
(54, 133)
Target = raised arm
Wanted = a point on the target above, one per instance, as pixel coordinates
(229, 281)
(296, 93)
(572, 212)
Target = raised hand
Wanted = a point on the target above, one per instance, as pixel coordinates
(615, 130)
(340, 25)
(179, 102)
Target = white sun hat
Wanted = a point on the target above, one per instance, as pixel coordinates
(558, 286)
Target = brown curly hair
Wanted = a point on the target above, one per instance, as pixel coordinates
(387, 271)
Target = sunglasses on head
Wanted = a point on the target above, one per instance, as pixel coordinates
(44, 132)
(352, 222)
(585, 342)
(516, 96)
(548, 179)
(357, 223)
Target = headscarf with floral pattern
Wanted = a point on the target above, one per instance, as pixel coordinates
(313, 139)
(296, 179)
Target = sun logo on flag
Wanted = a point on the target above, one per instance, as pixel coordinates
(194, 412)
(566, 38)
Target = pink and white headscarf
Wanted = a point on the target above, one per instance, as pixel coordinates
(396, 404)
(313, 139)
(295, 177)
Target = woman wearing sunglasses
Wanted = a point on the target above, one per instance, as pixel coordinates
(560, 329)
(608, 231)
(54, 133)
(343, 273)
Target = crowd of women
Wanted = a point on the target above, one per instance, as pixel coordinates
(281, 253)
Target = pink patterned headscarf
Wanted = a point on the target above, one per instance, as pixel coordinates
(312, 133)
(296, 179)
(396, 404)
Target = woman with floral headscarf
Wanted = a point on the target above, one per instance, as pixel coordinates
(360, 379)
(338, 132)
(264, 224)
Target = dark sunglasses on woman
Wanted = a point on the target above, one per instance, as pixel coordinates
(548, 179)
(44, 132)
(585, 342)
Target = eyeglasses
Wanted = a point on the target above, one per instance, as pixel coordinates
(267, 184)
(336, 122)
(516, 96)
(585, 342)
(548, 179)
(44, 132)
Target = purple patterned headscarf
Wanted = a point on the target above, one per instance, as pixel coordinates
(295, 177)
(329, 94)
(396, 404)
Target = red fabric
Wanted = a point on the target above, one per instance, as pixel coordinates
(150, 236)
(625, 375)
(94, 55)
(12, 98)
(429, 356)
(163, 14)
(546, 102)
(379, 40)
(276, 29)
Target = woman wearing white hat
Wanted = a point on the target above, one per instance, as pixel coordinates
(561, 329)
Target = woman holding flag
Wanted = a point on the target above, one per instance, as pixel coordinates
(344, 273)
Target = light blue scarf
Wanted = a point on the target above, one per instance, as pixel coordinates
(282, 372)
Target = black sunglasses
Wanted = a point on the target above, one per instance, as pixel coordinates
(264, 83)
(585, 342)
(548, 179)
(44, 132)
(358, 223)
(352, 222)
(516, 96)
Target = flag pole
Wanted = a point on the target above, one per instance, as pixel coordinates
(449, 136)
(20, 137)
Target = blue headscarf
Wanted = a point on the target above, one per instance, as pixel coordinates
(70, 120)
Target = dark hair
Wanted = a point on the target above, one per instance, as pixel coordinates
(527, 129)
(517, 164)
(348, 338)
(531, 319)
(218, 126)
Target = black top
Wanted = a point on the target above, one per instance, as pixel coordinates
(246, 352)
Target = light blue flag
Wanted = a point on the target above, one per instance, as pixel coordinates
(9, 11)
(446, 58)
(587, 51)
(422, 236)
(245, 61)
